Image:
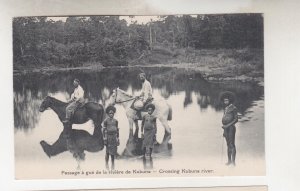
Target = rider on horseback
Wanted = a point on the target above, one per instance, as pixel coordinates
(77, 98)
(146, 94)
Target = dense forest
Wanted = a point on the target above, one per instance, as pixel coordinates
(112, 41)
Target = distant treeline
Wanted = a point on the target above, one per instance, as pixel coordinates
(109, 40)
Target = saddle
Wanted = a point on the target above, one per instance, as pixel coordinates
(141, 109)
(80, 106)
(137, 104)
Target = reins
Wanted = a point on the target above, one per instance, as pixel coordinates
(121, 101)
(125, 100)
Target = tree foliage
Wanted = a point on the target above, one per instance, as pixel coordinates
(110, 41)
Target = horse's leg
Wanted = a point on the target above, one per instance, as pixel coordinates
(98, 118)
(136, 133)
(167, 135)
(130, 128)
(130, 145)
(67, 127)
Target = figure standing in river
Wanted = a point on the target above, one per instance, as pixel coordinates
(230, 118)
(149, 130)
(111, 136)
(77, 98)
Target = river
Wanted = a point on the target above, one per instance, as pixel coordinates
(197, 142)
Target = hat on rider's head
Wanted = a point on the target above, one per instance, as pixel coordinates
(150, 105)
(227, 95)
(110, 108)
(142, 73)
(76, 80)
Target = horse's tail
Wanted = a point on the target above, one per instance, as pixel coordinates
(170, 113)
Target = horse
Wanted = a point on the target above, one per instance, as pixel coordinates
(163, 112)
(89, 110)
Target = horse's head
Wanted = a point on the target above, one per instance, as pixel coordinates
(45, 104)
(119, 96)
(113, 97)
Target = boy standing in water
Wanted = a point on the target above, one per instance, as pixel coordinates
(230, 118)
(149, 130)
(111, 136)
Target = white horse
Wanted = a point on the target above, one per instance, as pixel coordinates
(163, 112)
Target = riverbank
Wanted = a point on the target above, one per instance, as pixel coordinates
(214, 64)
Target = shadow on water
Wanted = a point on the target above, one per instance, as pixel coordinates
(30, 89)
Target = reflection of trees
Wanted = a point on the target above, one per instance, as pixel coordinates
(30, 89)
(245, 93)
(187, 98)
(203, 101)
(177, 80)
(26, 113)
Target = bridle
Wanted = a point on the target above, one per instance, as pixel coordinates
(46, 108)
(116, 92)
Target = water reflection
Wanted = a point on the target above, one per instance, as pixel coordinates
(148, 163)
(30, 89)
(76, 142)
(26, 110)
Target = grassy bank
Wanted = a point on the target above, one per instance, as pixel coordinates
(215, 64)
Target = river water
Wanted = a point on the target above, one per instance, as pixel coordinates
(197, 142)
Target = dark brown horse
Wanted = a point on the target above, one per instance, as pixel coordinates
(90, 110)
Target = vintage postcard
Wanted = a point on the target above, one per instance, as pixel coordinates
(138, 96)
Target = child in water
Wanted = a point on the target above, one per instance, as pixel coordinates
(111, 136)
(149, 130)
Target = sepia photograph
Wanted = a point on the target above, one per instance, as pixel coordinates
(102, 96)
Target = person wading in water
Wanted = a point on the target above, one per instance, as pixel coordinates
(149, 130)
(230, 118)
(111, 136)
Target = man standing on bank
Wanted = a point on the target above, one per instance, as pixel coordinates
(77, 98)
(230, 118)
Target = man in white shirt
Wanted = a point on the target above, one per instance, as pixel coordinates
(146, 93)
(77, 98)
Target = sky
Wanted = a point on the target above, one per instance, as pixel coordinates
(139, 19)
